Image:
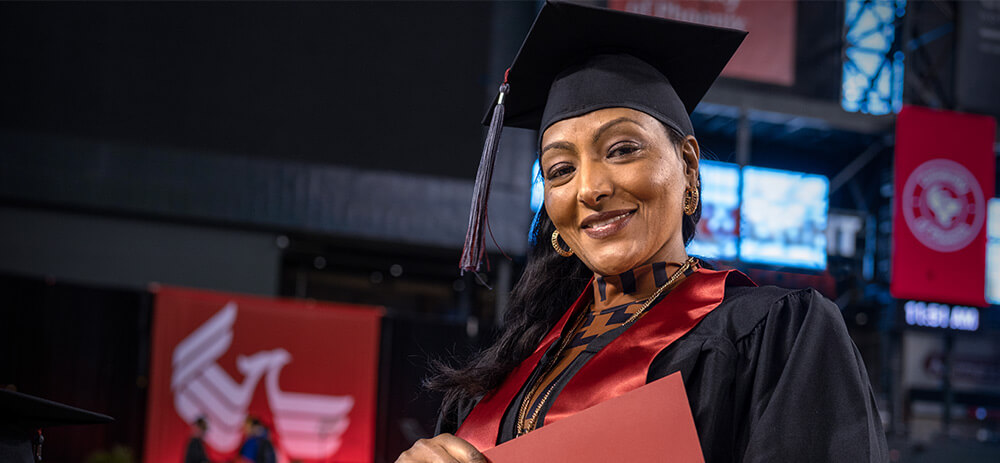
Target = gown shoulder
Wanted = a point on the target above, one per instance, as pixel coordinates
(772, 372)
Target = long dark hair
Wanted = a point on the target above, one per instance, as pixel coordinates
(549, 284)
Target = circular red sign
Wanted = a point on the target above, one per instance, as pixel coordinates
(943, 205)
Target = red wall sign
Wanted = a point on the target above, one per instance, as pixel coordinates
(307, 369)
(767, 54)
(944, 176)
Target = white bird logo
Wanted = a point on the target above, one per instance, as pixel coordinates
(945, 207)
(202, 388)
(309, 426)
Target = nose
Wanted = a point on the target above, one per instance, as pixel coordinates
(595, 183)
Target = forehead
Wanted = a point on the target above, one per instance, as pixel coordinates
(590, 123)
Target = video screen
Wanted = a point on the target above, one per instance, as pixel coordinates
(784, 218)
(718, 232)
(993, 251)
(537, 187)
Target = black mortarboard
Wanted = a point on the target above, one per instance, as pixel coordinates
(22, 415)
(577, 59)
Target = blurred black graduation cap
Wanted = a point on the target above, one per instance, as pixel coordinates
(22, 415)
(577, 59)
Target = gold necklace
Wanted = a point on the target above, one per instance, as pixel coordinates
(526, 424)
(673, 278)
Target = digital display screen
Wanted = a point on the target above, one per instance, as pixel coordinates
(993, 251)
(718, 233)
(783, 218)
(537, 187)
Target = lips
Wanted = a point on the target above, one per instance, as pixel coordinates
(605, 224)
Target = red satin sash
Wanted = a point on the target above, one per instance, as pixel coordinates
(619, 367)
(482, 427)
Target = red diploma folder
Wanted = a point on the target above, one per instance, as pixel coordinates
(650, 424)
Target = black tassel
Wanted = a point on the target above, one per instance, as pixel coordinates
(475, 244)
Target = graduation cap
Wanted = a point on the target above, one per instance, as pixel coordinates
(577, 59)
(21, 418)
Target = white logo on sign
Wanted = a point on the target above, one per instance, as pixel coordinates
(943, 205)
(309, 426)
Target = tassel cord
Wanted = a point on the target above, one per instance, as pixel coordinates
(474, 249)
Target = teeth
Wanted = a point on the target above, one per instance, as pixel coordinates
(608, 221)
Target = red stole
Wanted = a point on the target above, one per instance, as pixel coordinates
(619, 367)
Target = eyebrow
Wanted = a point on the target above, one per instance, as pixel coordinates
(556, 144)
(607, 125)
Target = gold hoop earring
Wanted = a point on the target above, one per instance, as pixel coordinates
(690, 200)
(555, 245)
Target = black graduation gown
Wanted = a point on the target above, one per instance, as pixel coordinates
(771, 375)
(195, 452)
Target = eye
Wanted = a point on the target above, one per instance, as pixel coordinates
(623, 149)
(559, 170)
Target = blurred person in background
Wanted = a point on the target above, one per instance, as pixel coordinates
(195, 452)
(609, 299)
(257, 448)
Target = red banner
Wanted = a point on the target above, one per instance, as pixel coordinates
(307, 370)
(944, 176)
(767, 54)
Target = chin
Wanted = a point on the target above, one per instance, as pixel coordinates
(613, 261)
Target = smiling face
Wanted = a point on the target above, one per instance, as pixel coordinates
(614, 188)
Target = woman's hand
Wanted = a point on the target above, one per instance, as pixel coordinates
(443, 448)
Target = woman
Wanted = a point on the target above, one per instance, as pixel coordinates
(610, 300)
